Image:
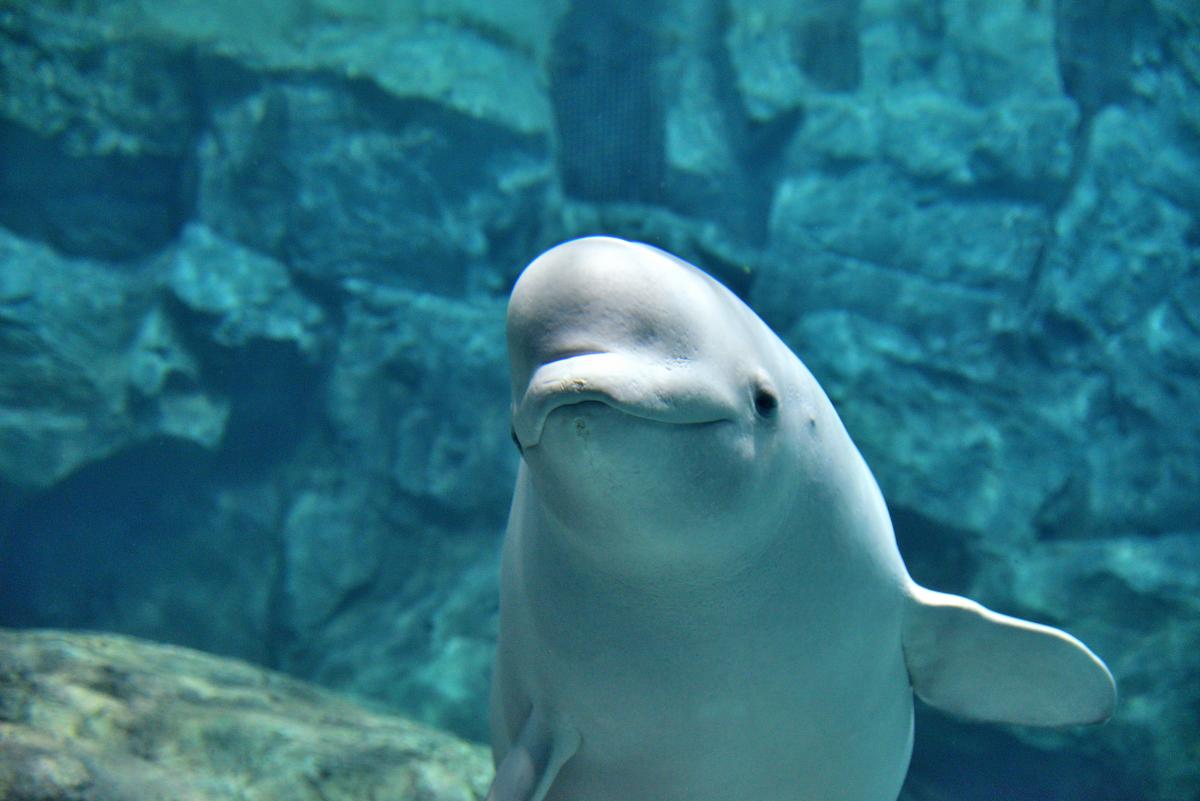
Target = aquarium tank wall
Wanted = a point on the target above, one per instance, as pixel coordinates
(254, 258)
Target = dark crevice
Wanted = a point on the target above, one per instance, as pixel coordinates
(1094, 41)
(96, 161)
(604, 88)
(274, 397)
(1065, 509)
(280, 637)
(272, 388)
(352, 598)
(759, 145)
(330, 297)
(380, 108)
(826, 45)
(933, 190)
(113, 207)
(1080, 152)
(68, 549)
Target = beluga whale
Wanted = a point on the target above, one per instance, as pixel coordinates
(701, 596)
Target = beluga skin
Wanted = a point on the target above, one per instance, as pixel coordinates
(701, 594)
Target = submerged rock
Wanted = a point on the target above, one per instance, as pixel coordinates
(91, 717)
(340, 179)
(90, 367)
(351, 139)
(98, 360)
(95, 130)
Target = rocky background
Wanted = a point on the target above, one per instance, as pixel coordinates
(253, 264)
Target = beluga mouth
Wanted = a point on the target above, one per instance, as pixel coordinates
(674, 393)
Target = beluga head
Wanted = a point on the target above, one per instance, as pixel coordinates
(646, 397)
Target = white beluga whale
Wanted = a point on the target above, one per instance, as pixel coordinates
(701, 594)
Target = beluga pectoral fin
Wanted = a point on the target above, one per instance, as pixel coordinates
(527, 771)
(970, 661)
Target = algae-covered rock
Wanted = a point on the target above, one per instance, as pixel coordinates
(95, 362)
(86, 717)
(345, 137)
(449, 54)
(95, 131)
(91, 366)
(341, 180)
(243, 295)
(419, 390)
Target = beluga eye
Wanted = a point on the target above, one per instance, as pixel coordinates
(766, 403)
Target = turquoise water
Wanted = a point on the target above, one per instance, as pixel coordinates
(254, 258)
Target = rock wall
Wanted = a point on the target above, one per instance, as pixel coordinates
(254, 256)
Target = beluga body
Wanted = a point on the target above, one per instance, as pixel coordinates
(701, 594)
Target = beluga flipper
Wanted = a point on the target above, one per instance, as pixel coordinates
(972, 662)
(532, 761)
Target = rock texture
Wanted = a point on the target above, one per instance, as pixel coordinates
(254, 255)
(88, 717)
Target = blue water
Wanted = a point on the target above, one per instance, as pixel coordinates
(253, 266)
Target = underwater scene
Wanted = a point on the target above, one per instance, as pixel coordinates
(264, 402)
